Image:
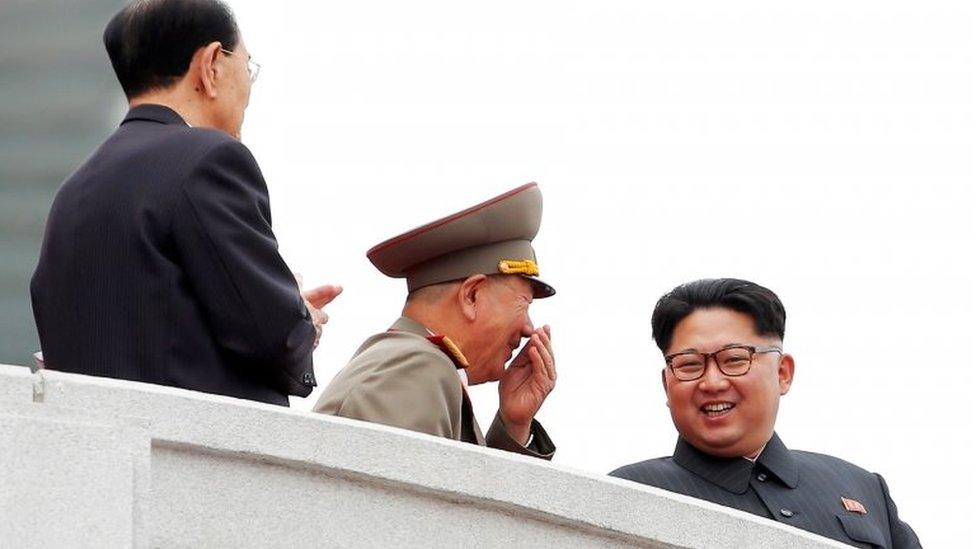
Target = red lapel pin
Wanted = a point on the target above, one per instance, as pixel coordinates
(853, 506)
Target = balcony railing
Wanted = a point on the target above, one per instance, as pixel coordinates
(88, 461)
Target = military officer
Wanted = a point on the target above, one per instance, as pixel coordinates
(471, 278)
(725, 371)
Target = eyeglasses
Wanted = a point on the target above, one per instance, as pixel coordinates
(734, 360)
(253, 68)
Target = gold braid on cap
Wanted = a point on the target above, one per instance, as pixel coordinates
(518, 266)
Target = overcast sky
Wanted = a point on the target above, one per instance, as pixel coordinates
(824, 150)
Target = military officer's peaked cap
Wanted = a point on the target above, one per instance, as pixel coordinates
(494, 237)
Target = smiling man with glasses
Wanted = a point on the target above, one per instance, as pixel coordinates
(724, 373)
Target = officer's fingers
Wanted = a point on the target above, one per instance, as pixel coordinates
(537, 362)
(545, 338)
(543, 374)
(547, 359)
(542, 366)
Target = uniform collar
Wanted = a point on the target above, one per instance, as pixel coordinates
(733, 474)
(154, 113)
(407, 324)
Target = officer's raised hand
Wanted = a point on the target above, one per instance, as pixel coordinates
(526, 383)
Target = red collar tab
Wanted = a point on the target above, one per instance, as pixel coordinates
(450, 349)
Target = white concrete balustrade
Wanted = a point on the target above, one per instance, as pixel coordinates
(96, 462)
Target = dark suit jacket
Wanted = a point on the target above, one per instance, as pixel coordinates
(159, 265)
(801, 489)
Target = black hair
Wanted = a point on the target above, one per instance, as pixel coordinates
(151, 42)
(766, 310)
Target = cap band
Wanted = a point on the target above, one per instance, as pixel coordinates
(464, 263)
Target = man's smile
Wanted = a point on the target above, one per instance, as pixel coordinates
(716, 409)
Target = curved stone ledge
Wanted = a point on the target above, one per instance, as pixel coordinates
(103, 462)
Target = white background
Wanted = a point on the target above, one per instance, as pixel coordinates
(823, 149)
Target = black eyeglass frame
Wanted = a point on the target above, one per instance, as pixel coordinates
(753, 350)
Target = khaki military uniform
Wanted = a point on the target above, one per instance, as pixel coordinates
(407, 376)
(403, 379)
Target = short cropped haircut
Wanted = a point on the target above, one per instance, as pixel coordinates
(432, 293)
(761, 304)
(151, 42)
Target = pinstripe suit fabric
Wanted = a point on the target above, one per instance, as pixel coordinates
(159, 265)
(801, 489)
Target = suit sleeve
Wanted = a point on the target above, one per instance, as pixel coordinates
(418, 393)
(222, 230)
(540, 445)
(902, 535)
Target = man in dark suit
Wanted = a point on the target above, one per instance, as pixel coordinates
(725, 371)
(159, 263)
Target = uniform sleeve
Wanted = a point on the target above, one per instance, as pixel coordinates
(902, 535)
(540, 445)
(222, 232)
(418, 393)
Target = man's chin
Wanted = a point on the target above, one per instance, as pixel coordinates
(716, 442)
(494, 374)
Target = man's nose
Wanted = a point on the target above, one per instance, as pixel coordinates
(713, 378)
(528, 328)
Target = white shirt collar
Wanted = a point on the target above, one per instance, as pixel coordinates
(757, 455)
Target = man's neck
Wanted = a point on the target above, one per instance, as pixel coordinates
(753, 456)
(441, 322)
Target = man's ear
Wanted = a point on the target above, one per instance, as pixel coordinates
(664, 383)
(786, 367)
(204, 65)
(468, 294)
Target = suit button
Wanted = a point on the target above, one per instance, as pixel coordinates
(786, 513)
(307, 379)
(761, 477)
